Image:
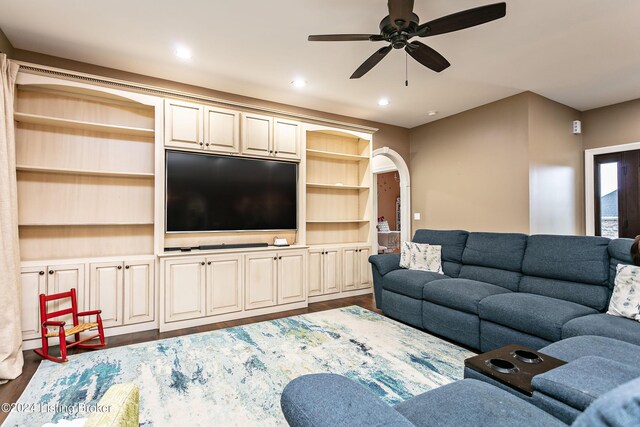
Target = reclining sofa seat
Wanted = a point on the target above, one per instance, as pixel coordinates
(506, 288)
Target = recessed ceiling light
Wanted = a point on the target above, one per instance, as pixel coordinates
(383, 102)
(183, 53)
(299, 82)
(432, 113)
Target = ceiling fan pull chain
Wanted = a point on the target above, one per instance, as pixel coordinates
(406, 69)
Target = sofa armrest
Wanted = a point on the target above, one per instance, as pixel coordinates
(328, 400)
(580, 382)
(385, 263)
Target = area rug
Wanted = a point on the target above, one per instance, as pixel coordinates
(235, 376)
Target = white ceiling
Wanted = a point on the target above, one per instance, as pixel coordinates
(582, 53)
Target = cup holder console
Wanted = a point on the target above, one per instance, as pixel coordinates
(502, 366)
(526, 356)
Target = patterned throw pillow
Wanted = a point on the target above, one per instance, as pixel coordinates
(423, 257)
(625, 300)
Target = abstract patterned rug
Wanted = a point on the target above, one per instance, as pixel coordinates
(235, 376)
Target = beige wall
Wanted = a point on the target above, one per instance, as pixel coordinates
(556, 169)
(388, 192)
(611, 125)
(5, 45)
(470, 171)
(510, 166)
(394, 137)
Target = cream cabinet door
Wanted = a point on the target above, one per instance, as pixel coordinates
(224, 284)
(365, 268)
(260, 280)
(257, 134)
(331, 271)
(34, 283)
(351, 269)
(315, 278)
(139, 291)
(183, 124)
(221, 130)
(286, 138)
(105, 291)
(184, 285)
(292, 277)
(61, 278)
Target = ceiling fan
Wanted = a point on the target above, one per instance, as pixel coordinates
(401, 25)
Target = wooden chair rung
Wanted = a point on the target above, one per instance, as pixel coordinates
(74, 330)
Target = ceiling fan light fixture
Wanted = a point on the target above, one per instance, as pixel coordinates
(299, 83)
(383, 102)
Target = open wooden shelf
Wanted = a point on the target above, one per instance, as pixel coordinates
(335, 155)
(336, 186)
(64, 171)
(82, 125)
(335, 221)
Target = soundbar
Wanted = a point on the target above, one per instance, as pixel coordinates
(234, 246)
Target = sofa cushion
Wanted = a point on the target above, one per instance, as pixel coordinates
(452, 242)
(620, 253)
(582, 381)
(409, 282)
(580, 293)
(583, 259)
(573, 348)
(460, 294)
(472, 403)
(618, 407)
(503, 251)
(503, 278)
(534, 314)
(605, 325)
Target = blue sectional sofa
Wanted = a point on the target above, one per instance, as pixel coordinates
(508, 288)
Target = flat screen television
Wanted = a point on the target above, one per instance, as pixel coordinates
(206, 192)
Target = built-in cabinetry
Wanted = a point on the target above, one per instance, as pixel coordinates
(197, 126)
(201, 287)
(91, 194)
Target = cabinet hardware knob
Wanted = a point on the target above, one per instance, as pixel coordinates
(41, 273)
(51, 271)
(209, 263)
(276, 151)
(322, 253)
(119, 267)
(275, 257)
(126, 266)
(207, 144)
(279, 257)
(201, 144)
(202, 263)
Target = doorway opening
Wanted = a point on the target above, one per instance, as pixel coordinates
(617, 194)
(391, 199)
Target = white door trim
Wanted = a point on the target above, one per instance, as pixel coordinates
(405, 190)
(589, 196)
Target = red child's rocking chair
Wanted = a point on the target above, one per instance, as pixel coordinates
(63, 333)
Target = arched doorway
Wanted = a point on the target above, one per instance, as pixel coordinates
(385, 160)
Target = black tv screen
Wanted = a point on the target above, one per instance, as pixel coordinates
(208, 192)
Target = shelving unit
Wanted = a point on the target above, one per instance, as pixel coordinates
(86, 174)
(338, 196)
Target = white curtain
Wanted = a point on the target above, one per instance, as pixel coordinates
(10, 293)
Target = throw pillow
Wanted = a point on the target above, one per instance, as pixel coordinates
(625, 300)
(423, 257)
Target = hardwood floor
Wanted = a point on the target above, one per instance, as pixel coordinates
(10, 392)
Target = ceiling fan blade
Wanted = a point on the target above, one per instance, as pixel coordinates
(400, 12)
(345, 37)
(371, 62)
(427, 56)
(461, 20)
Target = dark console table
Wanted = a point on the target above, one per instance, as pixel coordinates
(513, 365)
